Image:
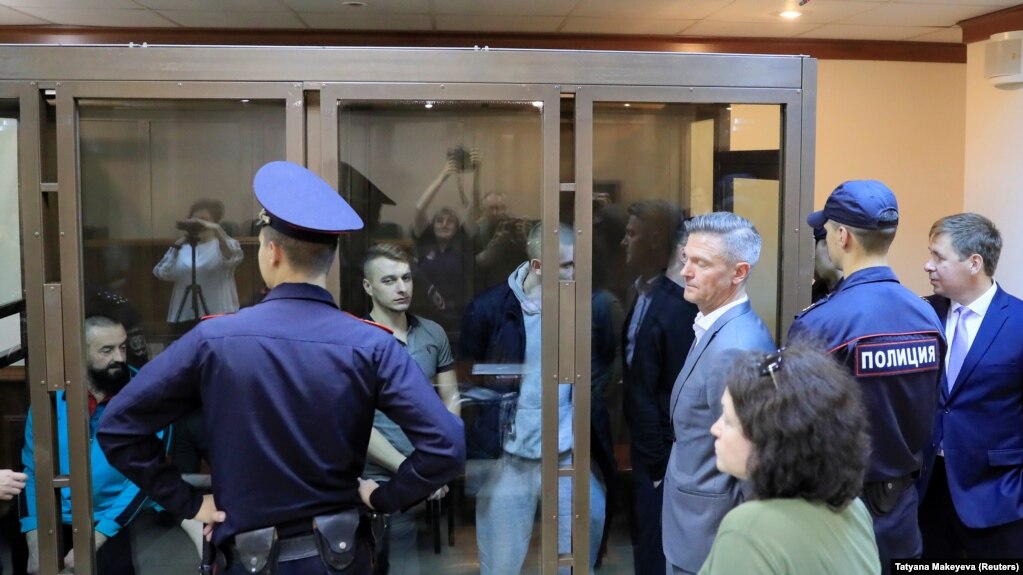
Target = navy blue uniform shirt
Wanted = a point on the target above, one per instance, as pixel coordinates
(892, 342)
(287, 390)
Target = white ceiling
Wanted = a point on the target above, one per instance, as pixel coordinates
(913, 20)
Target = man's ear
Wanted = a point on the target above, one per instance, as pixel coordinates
(740, 273)
(275, 252)
(365, 286)
(535, 265)
(976, 264)
(844, 236)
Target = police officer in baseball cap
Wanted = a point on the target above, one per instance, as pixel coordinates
(287, 390)
(891, 341)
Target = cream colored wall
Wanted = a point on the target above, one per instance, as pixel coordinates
(994, 172)
(904, 124)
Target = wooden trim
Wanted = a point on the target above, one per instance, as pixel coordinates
(822, 49)
(982, 27)
(12, 373)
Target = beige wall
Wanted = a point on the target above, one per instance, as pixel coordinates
(994, 172)
(904, 124)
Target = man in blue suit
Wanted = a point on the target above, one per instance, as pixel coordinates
(720, 252)
(973, 502)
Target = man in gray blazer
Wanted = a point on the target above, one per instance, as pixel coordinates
(721, 251)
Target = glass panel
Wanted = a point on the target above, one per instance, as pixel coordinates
(10, 226)
(458, 186)
(12, 390)
(10, 223)
(167, 226)
(655, 164)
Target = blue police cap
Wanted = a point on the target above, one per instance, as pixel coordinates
(299, 204)
(860, 204)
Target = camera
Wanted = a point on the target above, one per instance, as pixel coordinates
(461, 157)
(190, 228)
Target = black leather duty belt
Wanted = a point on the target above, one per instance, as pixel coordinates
(291, 549)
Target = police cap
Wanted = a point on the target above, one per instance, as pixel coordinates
(864, 204)
(298, 203)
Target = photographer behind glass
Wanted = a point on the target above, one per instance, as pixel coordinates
(201, 264)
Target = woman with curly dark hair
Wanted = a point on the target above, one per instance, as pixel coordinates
(793, 426)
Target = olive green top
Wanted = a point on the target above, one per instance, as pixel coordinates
(796, 537)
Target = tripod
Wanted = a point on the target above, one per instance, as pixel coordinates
(194, 291)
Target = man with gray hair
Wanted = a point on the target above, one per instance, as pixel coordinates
(501, 327)
(720, 253)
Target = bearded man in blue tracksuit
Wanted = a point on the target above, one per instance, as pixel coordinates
(116, 500)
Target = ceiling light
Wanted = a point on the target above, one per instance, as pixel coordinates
(538, 104)
(790, 14)
(429, 105)
(628, 105)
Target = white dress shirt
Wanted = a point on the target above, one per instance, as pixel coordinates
(703, 322)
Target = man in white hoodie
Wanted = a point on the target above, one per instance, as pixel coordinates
(502, 326)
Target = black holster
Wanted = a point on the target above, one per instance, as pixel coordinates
(336, 538)
(379, 524)
(257, 551)
(881, 496)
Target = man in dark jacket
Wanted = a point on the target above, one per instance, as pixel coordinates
(657, 336)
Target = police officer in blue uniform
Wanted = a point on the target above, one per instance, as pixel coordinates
(891, 341)
(287, 390)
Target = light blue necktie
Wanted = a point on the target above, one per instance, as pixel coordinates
(960, 346)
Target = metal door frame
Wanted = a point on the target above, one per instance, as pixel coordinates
(556, 361)
(37, 306)
(796, 181)
(126, 72)
(61, 320)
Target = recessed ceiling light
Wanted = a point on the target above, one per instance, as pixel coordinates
(538, 104)
(628, 105)
(791, 14)
(428, 105)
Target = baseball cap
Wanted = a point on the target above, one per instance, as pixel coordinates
(860, 204)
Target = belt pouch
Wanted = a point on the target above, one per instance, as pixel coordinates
(881, 496)
(257, 551)
(335, 538)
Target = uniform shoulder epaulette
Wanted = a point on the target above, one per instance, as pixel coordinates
(372, 323)
(815, 304)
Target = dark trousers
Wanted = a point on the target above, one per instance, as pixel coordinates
(12, 538)
(647, 544)
(115, 557)
(945, 535)
(363, 564)
(897, 532)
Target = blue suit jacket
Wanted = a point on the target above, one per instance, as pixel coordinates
(980, 421)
